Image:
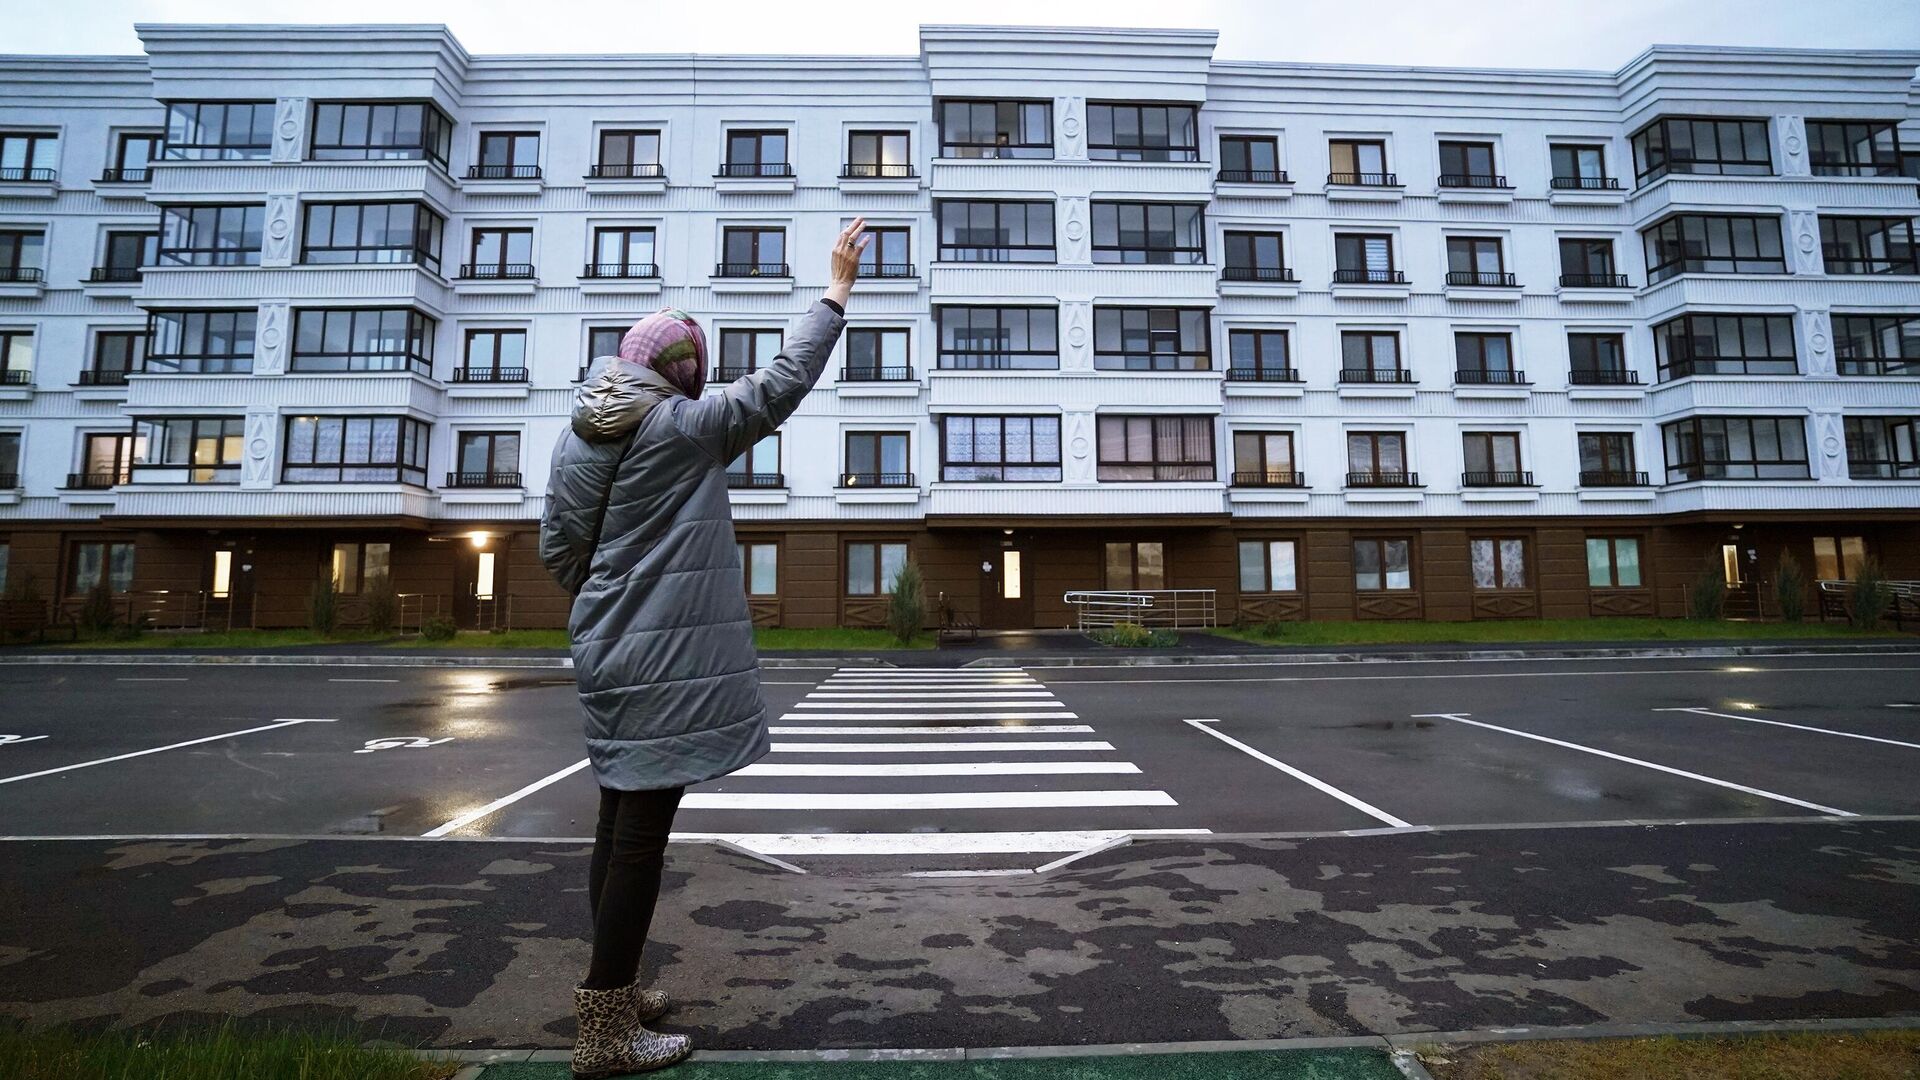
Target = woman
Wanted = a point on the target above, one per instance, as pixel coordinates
(639, 530)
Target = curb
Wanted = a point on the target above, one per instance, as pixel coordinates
(545, 663)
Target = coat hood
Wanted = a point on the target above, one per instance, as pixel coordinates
(615, 397)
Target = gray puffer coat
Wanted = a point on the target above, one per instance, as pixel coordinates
(662, 640)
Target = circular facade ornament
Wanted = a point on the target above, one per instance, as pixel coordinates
(270, 337)
(1079, 446)
(1819, 343)
(288, 129)
(1793, 144)
(278, 228)
(1806, 242)
(1831, 444)
(1071, 125)
(1073, 230)
(258, 447)
(1077, 335)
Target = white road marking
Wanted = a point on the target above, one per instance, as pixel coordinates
(472, 816)
(1311, 781)
(894, 703)
(401, 742)
(275, 726)
(1052, 714)
(938, 843)
(930, 729)
(944, 768)
(1668, 769)
(929, 695)
(129, 678)
(1466, 675)
(1902, 705)
(364, 680)
(1796, 727)
(992, 747)
(918, 800)
(15, 740)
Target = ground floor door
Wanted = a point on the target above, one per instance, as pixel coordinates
(228, 585)
(477, 588)
(1006, 586)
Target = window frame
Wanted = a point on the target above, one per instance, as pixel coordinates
(995, 360)
(1467, 177)
(226, 439)
(1265, 547)
(1140, 149)
(436, 134)
(1876, 359)
(260, 121)
(1681, 333)
(1250, 243)
(745, 547)
(1186, 355)
(1366, 273)
(625, 267)
(1380, 546)
(1160, 469)
(1150, 254)
(1002, 146)
(879, 370)
(1008, 252)
(492, 475)
(1489, 446)
(1667, 242)
(1133, 565)
(1885, 237)
(878, 546)
(757, 338)
(420, 330)
(1500, 582)
(1001, 463)
(1647, 169)
(873, 262)
(1373, 475)
(1578, 180)
(1398, 372)
(750, 477)
(496, 372)
(110, 551)
(9, 374)
(1263, 473)
(1250, 174)
(1613, 542)
(427, 231)
(1614, 453)
(96, 375)
(879, 440)
(513, 168)
(1359, 177)
(1879, 160)
(879, 168)
(602, 169)
(1690, 434)
(503, 267)
(1899, 439)
(760, 167)
(244, 327)
(183, 222)
(757, 267)
(410, 435)
(119, 172)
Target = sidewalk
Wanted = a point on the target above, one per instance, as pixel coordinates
(1328, 1064)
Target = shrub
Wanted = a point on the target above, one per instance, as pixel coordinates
(1871, 596)
(907, 607)
(1131, 635)
(1709, 597)
(383, 605)
(96, 610)
(1790, 587)
(323, 607)
(438, 628)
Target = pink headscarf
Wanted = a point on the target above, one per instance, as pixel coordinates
(671, 343)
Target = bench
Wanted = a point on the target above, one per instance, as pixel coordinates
(32, 617)
(955, 626)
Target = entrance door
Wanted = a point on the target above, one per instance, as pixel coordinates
(478, 589)
(1006, 586)
(229, 585)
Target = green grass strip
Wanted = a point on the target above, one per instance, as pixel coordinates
(1271, 1065)
(218, 1054)
(1383, 632)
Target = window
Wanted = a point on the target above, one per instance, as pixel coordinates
(105, 460)
(133, 156)
(743, 352)
(1259, 356)
(1359, 161)
(622, 252)
(1268, 566)
(1468, 164)
(1250, 159)
(9, 459)
(1264, 459)
(1012, 449)
(116, 354)
(1853, 147)
(756, 153)
(1255, 256)
(1498, 562)
(384, 232)
(872, 568)
(1736, 448)
(877, 155)
(1122, 132)
(219, 131)
(1703, 344)
(507, 155)
(1378, 459)
(1598, 360)
(758, 466)
(1606, 460)
(760, 567)
(493, 356)
(1869, 245)
(200, 342)
(380, 131)
(487, 459)
(1877, 344)
(888, 254)
(978, 230)
(996, 129)
(752, 252)
(998, 338)
(1140, 565)
(604, 341)
(95, 560)
(1838, 558)
(1381, 564)
(1476, 260)
(360, 567)
(1713, 244)
(1882, 448)
(188, 450)
(1371, 356)
(22, 255)
(1613, 562)
(626, 154)
(1690, 145)
(1588, 264)
(1159, 449)
(500, 253)
(877, 459)
(1366, 258)
(1493, 460)
(16, 357)
(1581, 168)
(1485, 358)
(125, 253)
(355, 450)
(365, 339)
(1150, 339)
(210, 235)
(1158, 233)
(877, 354)
(29, 156)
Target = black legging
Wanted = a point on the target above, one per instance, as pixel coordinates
(629, 848)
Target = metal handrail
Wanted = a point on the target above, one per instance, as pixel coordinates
(1179, 608)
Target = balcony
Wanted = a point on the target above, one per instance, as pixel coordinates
(21, 275)
(755, 170)
(1484, 181)
(1611, 478)
(124, 176)
(752, 277)
(27, 176)
(1273, 274)
(619, 271)
(106, 377)
(16, 377)
(1482, 285)
(903, 373)
(1840, 260)
(114, 275)
(1363, 179)
(496, 271)
(1269, 478)
(1262, 374)
(483, 480)
(1877, 470)
(95, 481)
(1491, 377)
(1375, 375)
(503, 172)
(1594, 281)
(9, 481)
(1907, 366)
(1157, 472)
(629, 171)
(877, 172)
(1584, 183)
(1254, 176)
(1729, 365)
(893, 271)
(1602, 377)
(759, 481)
(488, 375)
(1496, 479)
(876, 479)
(1376, 479)
(1369, 277)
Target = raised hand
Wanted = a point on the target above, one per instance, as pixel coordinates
(844, 261)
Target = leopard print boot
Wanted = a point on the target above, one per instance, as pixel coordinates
(652, 1005)
(612, 1041)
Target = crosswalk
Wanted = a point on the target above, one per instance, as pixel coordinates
(928, 762)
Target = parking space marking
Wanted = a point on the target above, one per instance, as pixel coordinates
(275, 726)
(1462, 718)
(993, 747)
(889, 702)
(1314, 782)
(472, 816)
(363, 680)
(1796, 727)
(932, 695)
(947, 729)
(945, 768)
(1468, 675)
(129, 678)
(15, 740)
(919, 800)
(920, 843)
(1053, 714)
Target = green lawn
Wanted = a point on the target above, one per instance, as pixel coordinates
(1536, 630)
(218, 1054)
(836, 639)
(1875, 1055)
(1356, 1064)
(214, 639)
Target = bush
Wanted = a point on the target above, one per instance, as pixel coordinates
(323, 607)
(907, 607)
(1709, 598)
(1870, 598)
(438, 628)
(383, 605)
(96, 611)
(1790, 587)
(1130, 635)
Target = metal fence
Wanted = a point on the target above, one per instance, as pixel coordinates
(1836, 601)
(1176, 608)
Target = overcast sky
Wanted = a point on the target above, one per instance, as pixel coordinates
(1595, 34)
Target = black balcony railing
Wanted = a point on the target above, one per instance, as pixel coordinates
(1486, 278)
(483, 480)
(496, 271)
(1881, 366)
(1603, 377)
(488, 375)
(1254, 176)
(27, 176)
(620, 270)
(119, 275)
(877, 172)
(1496, 479)
(756, 479)
(124, 176)
(888, 270)
(1369, 277)
(868, 373)
(775, 169)
(1883, 469)
(1491, 377)
(1611, 478)
(1383, 479)
(16, 377)
(1585, 183)
(1839, 261)
(1262, 374)
(95, 481)
(9, 481)
(745, 270)
(1375, 375)
(1594, 281)
(876, 479)
(631, 171)
(503, 172)
(1230, 272)
(1364, 179)
(107, 377)
(20, 275)
(1473, 180)
(1268, 478)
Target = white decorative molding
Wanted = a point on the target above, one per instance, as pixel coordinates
(1803, 241)
(1076, 336)
(1072, 138)
(289, 128)
(1816, 341)
(1077, 244)
(271, 331)
(1791, 135)
(1830, 447)
(276, 241)
(256, 464)
(1079, 448)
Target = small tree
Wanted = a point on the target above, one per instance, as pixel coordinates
(1790, 587)
(907, 607)
(1710, 592)
(323, 607)
(1871, 596)
(383, 605)
(96, 610)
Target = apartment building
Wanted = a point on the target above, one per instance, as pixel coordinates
(286, 305)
